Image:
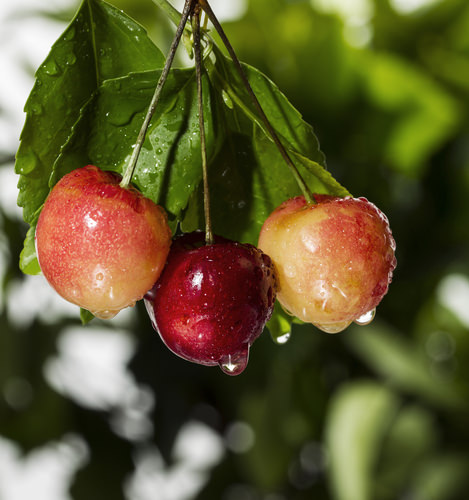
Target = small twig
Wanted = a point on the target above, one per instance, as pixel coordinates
(299, 179)
(203, 146)
(129, 171)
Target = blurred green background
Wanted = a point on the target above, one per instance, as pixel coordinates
(374, 413)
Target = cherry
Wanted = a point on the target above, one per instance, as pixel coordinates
(212, 301)
(101, 246)
(334, 259)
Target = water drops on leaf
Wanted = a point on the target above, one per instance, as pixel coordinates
(69, 34)
(70, 59)
(227, 99)
(36, 108)
(29, 161)
(51, 68)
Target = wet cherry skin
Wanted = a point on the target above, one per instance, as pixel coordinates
(334, 259)
(99, 245)
(212, 301)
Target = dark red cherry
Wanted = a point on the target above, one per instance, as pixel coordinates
(212, 301)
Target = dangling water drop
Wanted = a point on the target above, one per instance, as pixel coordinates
(104, 314)
(333, 327)
(282, 339)
(366, 319)
(234, 364)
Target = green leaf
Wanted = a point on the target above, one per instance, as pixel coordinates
(169, 166)
(100, 43)
(403, 365)
(28, 260)
(249, 176)
(284, 118)
(232, 202)
(85, 316)
(359, 415)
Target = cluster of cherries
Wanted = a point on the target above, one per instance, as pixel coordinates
(103, 247)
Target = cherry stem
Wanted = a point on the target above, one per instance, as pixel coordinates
(203, 147)
(129, 170)
(273, 134)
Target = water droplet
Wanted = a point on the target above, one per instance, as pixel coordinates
(51, 67)
(36, 108)
(70, 59)
(227, 99)
(367, 318)
(333, 327)
(283, 339)
(234, 364)
(69, 34)
(104, 314)
(100, 276)
(28, 162)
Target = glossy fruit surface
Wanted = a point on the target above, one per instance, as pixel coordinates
(99, 245)
(334, 259)
(212, 301)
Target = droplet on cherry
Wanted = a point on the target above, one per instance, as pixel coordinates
(236, 363)
(367, 318)
(212, 301)
(332, 327)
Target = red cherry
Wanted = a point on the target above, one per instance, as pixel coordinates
(99, 245)
(212, 301)
(334, 259)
